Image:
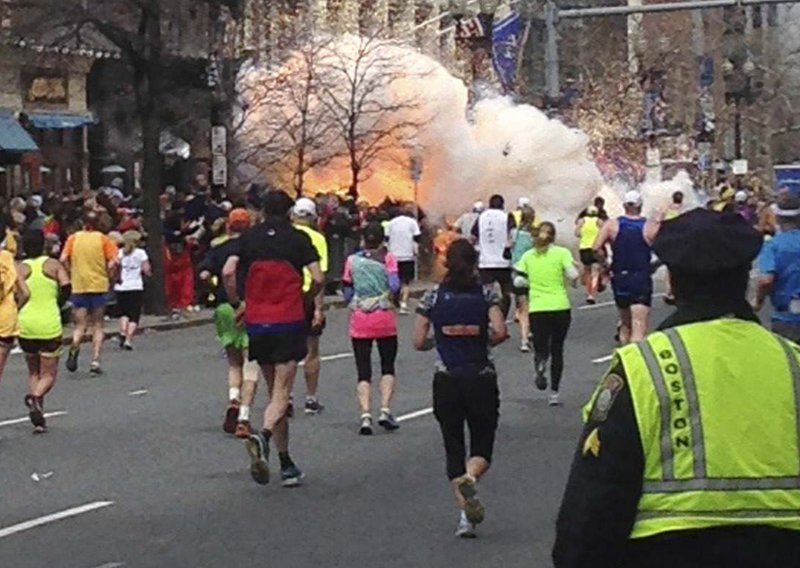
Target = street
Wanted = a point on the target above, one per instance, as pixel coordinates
(143, 476)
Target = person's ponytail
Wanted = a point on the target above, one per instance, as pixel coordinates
(545, 237)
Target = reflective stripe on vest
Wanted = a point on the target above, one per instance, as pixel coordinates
(679, 491)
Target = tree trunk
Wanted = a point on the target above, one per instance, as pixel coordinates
(148, 96)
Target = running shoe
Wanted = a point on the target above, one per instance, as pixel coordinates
(40, 429)
(404, 310)
(388, 421)
(473, 508)
(231, 417)
(541, 379)
(95, 369)
(258, 449)
(121, 340)
(127, 346)
(465, 529)
(35, 411)
(243, 430)
(313, 406)
(554, 400)
(525, 347)
(366, 425)
(292, 476)
(669, 300)
(591, 301)
(72, 360)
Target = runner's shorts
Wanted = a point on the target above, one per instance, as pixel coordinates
(228, 333)
(406, 270)
(632, 288)
(89, 301)
(588, 257)
(44, 347)
(277, 348)
(129, 304)
(312, 330)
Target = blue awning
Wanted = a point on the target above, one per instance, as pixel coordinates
(58, 121)
(14, 138)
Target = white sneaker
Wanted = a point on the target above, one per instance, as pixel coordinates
(465, 529)
(554, 400)
(525, 347)
(404, 309)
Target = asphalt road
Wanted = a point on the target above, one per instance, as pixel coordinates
(142, 449)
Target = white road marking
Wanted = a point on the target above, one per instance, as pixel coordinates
(416, 414)
(111, 565)
(26, 419)
(605, 359)
(53, 517)
(140, 392)
(609, 304)
(332, 357)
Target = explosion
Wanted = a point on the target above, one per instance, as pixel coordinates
(414, 112)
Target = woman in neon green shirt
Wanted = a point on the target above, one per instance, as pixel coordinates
(548, 267)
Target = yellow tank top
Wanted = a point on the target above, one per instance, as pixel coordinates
(40, 317)
(8, 305)
(589, 231)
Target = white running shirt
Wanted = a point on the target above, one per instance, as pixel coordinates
(131, 270)
(493, 239)
(400, 233)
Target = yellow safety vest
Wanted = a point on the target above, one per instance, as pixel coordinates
(718, 409)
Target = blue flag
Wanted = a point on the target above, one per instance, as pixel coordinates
(505, 46)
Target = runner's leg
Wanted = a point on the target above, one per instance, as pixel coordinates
(312, 367)
(98, 333)
(5, 349)
(639, 316)
(625, 326)
(80, 318)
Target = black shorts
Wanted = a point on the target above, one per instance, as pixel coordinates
(7, 342)
(588, 258)
(43, 347)
(632, 289)
(500, 275)
(641, 298)
(129, 305)
(314, 331)
(387, 351)
(406, 270)
(277, 348)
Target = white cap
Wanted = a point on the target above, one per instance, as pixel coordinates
(37, 200)
(170, 190)
(523, 202)
(478, 206)
(304, 207)
(633, 197)
(740, 197)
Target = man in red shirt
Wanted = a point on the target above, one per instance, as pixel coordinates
(270, 257)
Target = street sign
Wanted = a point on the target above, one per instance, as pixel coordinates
(219, 141)
(739, 167)
(219, 170)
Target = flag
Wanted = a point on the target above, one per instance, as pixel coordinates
(470, 28)
(505, 46)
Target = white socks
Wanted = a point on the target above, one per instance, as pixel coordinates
(244, 413)
(234, 394)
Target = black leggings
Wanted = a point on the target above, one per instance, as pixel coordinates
(549, 332)
(472, 399)
(362, 349)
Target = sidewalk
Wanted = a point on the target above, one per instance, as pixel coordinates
(206, 316)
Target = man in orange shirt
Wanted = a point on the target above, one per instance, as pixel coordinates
(91, 258)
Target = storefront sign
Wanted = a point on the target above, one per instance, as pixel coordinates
(45, 86)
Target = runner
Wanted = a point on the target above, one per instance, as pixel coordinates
(13, 295)
(464, 224)
(673, 211)
(271, 257)
(631, 237)
(41, 332)
(546, 267)
(492, 235)
(402, 235)
(242, 374)
(91, 259)
(370, 280)
(305, 219)
(134, 265)
(587, 230)
(522, 242)
(466, 320)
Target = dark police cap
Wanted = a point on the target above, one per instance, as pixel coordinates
(704, 241)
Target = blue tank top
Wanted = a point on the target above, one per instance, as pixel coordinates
(460, 321)
(630, 249)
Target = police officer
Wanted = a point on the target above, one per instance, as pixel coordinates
(690, 454)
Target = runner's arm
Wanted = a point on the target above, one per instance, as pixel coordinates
(766, 279)
(58, 272)
(317, 280)
(229, 279)
(21, 292)
(599, 246)
(498, 329)
(578, 227)
(422, 339)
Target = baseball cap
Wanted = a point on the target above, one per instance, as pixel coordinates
(304, 207)
(633, 197)
(523, 202)
(740, 197)
(591, 211)
(239, 216)
(478, 206)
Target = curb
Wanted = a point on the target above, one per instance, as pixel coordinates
(336, 303)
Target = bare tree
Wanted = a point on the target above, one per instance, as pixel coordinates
(282, 124)
(373, 114)
(134, 27)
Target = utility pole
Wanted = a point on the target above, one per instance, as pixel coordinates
(552, 70)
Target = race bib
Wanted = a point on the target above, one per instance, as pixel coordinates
(794, 306)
